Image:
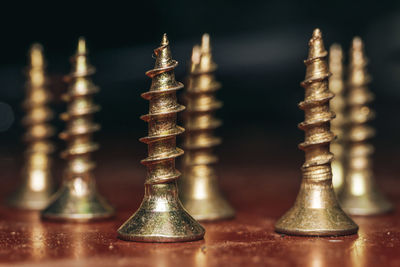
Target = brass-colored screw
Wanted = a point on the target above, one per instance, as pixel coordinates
(316, 211)
(161, 216)
(78, 199)
(338, 105)
(360, 195)
(37, 183)
(198, 188)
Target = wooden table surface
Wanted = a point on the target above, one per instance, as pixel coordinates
(260, 191)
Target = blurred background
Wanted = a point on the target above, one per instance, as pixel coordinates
(259, 46)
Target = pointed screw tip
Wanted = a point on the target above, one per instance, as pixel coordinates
(336, 50)
(357, 43)
(205, 38)
(317, 33)
(164, 40)
(196, 53)
(36, 55)
(205, 42)
(81, 45)
(36, 47)
(336, 46)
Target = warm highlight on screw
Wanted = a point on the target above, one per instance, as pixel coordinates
(316, 211)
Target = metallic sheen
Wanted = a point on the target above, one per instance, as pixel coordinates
(37, 183)
(360, 194)
(316, 211)
(161, 216)
(198, 188)
(78, 199)
(338, 105)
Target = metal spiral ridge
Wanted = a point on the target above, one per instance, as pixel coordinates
(359, 97)
(37, 184)
(317, 113)
(201, 104)
(316, 211)
(161, 216)
(338, 106)
(78, 199)
(78, 117)
(38, 113)
(360, 195)
(161, 139)
(199, 189)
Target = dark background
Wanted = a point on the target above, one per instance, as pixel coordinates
(259, 47)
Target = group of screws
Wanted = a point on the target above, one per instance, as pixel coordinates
(161, 216)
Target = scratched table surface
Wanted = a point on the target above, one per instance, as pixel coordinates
(260, 190)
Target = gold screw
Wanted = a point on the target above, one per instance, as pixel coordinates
(37, 183)
(360, 195)
(316, 211)
(78, 199)
(161, 216)
(199, 189)
(338, 105)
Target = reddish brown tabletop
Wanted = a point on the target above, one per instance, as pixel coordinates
(261, 191)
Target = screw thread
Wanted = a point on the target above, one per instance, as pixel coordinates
(201, 103)
(161, 119)
(38, 113)
(338, 106)
(317, 165)
(79, 114)
(336, 86)
(359, 98)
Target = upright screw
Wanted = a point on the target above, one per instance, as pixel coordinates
(199, 189)
(78, 199)
(161, 216)
(316, 211)
(360, 195)
(37, 183)
(338, 105)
